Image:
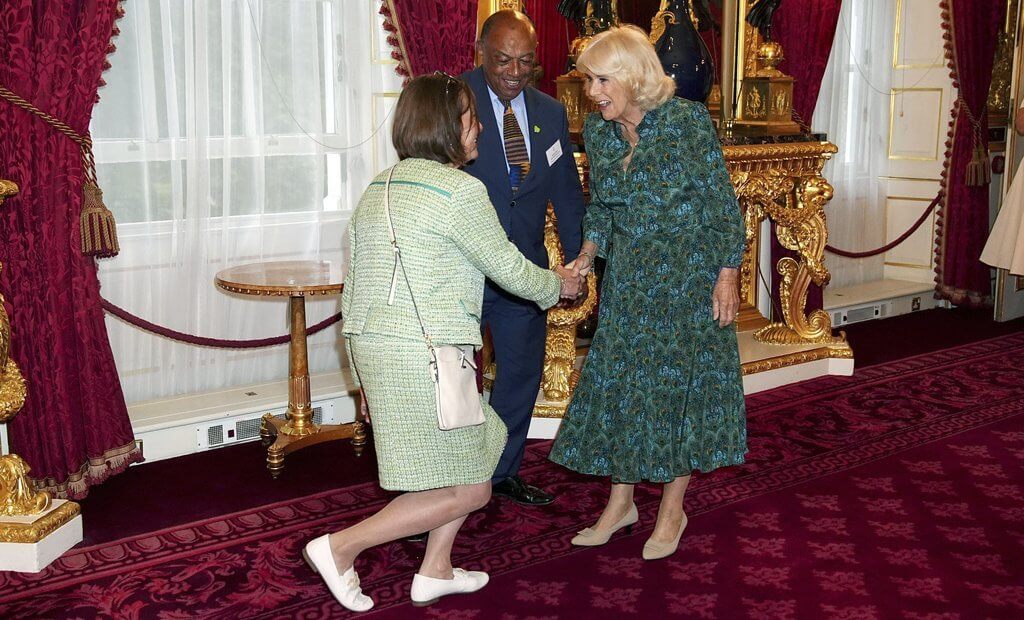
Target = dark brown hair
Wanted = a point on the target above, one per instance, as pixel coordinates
(428, 118)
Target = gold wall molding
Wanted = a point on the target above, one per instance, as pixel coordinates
(897, 37)
(931, 239)
(940, 111)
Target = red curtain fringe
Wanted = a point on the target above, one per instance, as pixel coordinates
(389, 25)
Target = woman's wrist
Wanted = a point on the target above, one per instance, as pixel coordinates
(561, 282)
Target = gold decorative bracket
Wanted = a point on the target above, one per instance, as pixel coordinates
(560, 377)
(17, 494)
(783, 182)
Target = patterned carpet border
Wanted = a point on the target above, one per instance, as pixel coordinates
(937, 388)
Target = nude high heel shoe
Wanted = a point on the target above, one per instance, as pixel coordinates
(590, 537)
(654, 550)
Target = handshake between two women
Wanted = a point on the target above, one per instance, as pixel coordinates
(573, 282)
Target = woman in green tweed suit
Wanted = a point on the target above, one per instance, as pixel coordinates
(450, 240)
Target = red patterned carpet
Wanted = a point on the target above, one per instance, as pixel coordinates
(895, 493)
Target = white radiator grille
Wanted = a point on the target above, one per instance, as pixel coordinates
(246, 429)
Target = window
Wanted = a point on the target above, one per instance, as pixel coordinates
(231, 132)
(241, 107)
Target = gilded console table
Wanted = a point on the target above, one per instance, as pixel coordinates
(780, 178)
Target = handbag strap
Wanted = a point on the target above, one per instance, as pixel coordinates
(398, 261)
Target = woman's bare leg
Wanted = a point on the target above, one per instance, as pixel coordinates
(409, 514)
(619, 500)
(670, 512)
(437, 559)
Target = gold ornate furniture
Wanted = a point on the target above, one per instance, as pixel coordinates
(34, 530)
(782, 181)
(295, 280)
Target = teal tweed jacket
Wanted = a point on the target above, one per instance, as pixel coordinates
(450, 240)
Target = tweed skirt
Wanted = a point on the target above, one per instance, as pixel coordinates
(412, 453)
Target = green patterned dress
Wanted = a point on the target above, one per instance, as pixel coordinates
(661, 393)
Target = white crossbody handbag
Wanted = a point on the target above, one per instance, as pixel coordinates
(452, 368)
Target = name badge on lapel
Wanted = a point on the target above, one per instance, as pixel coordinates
(554, 152)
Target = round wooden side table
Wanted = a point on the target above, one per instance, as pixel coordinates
(295, 280)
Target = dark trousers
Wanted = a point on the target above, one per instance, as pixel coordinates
(517, 334)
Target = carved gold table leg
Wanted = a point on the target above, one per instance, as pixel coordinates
(300, 409)
(298, 430)
(559, 377)
(558, 380)
(800, 226)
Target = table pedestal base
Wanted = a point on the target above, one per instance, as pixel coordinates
(283, 444)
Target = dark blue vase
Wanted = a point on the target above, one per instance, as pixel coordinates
(683, 54)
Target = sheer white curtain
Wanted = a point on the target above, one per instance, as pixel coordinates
(230, 132)
(853, 108)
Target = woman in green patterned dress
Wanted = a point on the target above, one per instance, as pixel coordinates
(450, 240)
(660, 395)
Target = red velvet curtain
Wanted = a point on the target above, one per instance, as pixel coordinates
(805, 29)
(74, 429)
(554, 34)
(971, 28)
(432, 35)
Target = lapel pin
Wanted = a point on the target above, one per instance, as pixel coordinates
(536, 129)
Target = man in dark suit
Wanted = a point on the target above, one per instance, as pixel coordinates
(525, 160)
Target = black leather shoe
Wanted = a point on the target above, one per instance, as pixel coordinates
(522, 493)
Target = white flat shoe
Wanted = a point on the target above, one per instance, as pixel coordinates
(344, 586)
(427, 590)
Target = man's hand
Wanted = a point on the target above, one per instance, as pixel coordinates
(725, 298)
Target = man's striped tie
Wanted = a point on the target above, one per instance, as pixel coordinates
(515, 147)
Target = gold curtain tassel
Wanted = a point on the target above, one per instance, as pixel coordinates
(978, 171)
(99, 231)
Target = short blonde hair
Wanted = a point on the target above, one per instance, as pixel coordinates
(625, 54)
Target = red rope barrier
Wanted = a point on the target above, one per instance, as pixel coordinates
(895, 242)
(201, 341)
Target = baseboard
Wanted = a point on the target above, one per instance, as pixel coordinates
(877, 300)
(187, 424)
